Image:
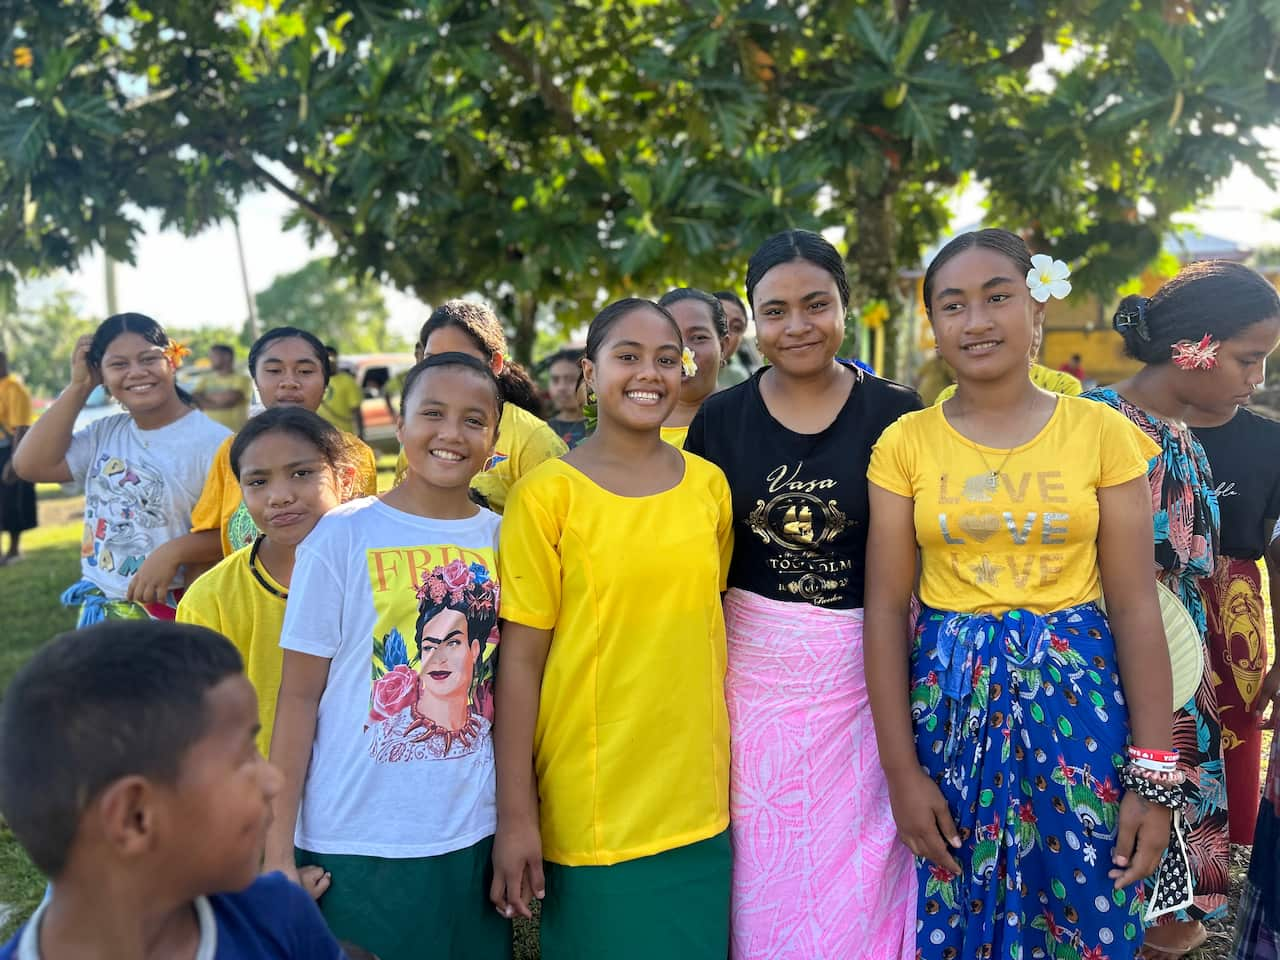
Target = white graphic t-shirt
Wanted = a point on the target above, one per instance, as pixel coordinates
(406, 608)
(139, 488)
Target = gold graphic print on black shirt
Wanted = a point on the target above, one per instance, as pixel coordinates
(800, 523)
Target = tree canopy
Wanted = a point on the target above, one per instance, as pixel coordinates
(549, 154)
(341, 312)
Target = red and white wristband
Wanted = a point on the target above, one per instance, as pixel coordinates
(1157, 761)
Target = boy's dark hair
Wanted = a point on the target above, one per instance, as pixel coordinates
(284, 333)
(998, 241)
(121, 698)
(789, 246)
(453, 359)
(482, 327)
(139, 323)
(718, 319)
(572, 355)
(226, 348)
(312, 427)
(1219, 297)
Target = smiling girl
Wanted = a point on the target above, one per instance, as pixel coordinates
(142, 469)
(612, 737)
(383, 722)
(1203, 340)
(524, 440)
(1003, 720)
(706, 332)
(794, 441)
(290, 368)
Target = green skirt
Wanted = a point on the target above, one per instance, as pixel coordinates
(673, 904)
(430, 908)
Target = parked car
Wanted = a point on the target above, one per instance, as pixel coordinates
(374, 372)
(99, 405)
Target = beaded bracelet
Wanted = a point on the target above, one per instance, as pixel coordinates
(1162, 789)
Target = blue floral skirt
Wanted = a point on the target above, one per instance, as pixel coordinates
(1021, 721)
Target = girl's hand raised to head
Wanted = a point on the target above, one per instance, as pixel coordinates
(924, 822)
(1141, 839)
(82, 374)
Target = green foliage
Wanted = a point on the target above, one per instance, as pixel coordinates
(338, 310)
(40, 338)
(553, 154)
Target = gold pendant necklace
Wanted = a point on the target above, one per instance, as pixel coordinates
(980, 487)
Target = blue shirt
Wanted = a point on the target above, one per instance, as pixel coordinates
(272, 919)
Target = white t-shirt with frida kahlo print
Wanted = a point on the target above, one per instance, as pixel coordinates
(406, 608)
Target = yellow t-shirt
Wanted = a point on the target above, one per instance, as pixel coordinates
(1030, 543)
(1055, 381)
(675, 435)
(230, 600)
(232, 418)
(631, 745)
(524, 441)
(342, 398)
(221, 507)
(15, 406)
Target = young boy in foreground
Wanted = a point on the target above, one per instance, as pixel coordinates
(130, 775)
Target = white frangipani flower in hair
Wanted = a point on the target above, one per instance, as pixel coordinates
(1048, 278)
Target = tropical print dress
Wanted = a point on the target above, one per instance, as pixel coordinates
(1186, 544)
(1021, 721)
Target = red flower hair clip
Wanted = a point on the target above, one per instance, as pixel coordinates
(1196, 356)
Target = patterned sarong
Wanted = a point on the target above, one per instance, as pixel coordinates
(818, 868)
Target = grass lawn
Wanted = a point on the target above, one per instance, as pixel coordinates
(29, 598)
(29, 593)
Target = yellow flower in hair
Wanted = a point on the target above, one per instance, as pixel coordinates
(688, 363)
(174, 353)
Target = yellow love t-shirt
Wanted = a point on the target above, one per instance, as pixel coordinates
(249, 612)
(631, 746)
(1030, 539)
(524, 441)
(1055, 381)
(221, 506)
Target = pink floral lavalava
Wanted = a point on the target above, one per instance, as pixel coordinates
(392, 693)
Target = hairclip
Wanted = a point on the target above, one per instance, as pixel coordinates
(1134, 318)
(1196, 356)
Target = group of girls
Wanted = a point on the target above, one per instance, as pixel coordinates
(797, 669)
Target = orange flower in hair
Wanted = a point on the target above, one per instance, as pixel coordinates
(174, 353)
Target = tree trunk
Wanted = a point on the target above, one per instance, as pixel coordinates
(526, 324)
(873, 267)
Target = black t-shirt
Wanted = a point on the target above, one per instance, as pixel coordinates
(1244, 458)
(799, 500)
(572, 432)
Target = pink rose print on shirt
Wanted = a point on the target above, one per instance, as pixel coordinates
(393, 692)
